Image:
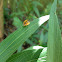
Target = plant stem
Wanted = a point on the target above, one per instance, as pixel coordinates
(1, 20)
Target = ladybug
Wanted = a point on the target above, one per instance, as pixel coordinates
(26, 22)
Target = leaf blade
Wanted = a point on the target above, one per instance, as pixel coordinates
(26, 55)
(17, 38)
(54, 37)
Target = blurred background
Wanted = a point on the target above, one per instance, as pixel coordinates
(16, 11)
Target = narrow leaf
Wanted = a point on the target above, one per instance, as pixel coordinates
(17, 22)
(54, 37)
(26, 56)
(17, 38)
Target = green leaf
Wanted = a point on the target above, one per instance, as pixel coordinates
(30, 42)
(43, 38)
(36, 3)
(36, 11)
(36, 56)
(54, 37)
(26, 9)
(43, 55)
(17, 22)
(25, 56)
(19, 49)
(17, 38)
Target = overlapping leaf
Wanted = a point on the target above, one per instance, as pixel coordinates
(29, 55)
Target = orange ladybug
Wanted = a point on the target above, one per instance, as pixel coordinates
(26, 22)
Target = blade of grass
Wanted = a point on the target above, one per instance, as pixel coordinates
(54, 37)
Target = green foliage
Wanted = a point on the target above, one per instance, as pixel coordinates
(17, 22)
(29, 10)
(26, 7)
(43, 38)
(26, 55)
(22, 10)
(35, 4)
(43, 56)
(17, 38)
(19, 49)
(48, 8)
(30, 42)
(54, 37)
